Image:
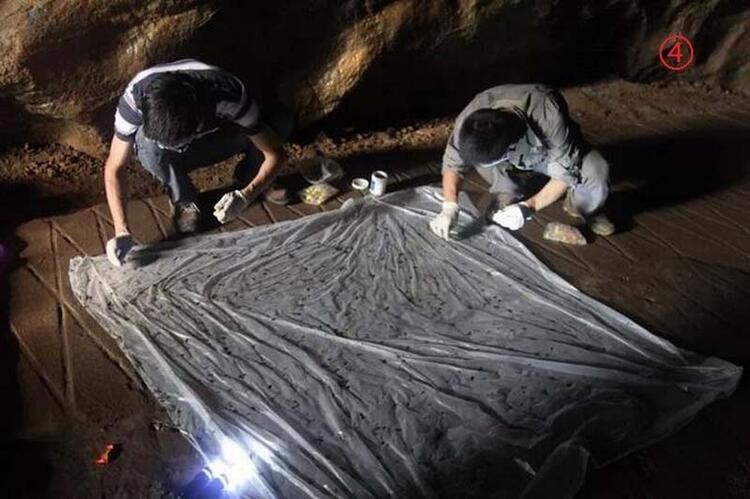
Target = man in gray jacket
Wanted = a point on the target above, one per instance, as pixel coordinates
(513, 131)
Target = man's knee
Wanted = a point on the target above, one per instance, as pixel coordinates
(214, 148)
(595, 168)
(592, 192)
(150, 155)
(166, 167)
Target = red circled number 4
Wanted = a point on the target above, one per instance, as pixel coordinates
(676, 52)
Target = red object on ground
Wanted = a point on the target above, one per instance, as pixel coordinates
(108, 455)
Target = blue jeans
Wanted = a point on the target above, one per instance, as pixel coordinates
(171, 168)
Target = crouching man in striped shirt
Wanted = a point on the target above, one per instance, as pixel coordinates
(181, 116)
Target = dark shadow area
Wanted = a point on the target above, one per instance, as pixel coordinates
(394, 162)
(434, 76)
(206, 202)
(699, 461)
(432, 87)
(10, 415)
(698, 303)
(720, 322)
(24, 471)
(649, 173)
(23, 202)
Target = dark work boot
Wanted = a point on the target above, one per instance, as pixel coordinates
(185, 217)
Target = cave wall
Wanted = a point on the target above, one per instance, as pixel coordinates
(64, 63)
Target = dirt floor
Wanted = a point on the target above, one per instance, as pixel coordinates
(680, 265)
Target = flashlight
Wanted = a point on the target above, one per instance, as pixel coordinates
(205, 485)
(228, 473)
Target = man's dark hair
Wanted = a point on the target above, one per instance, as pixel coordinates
(170, 108)
(486, 134)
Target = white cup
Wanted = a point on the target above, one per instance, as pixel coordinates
(360, 184)
(378, 183)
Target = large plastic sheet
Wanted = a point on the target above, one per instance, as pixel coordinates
(355, 354)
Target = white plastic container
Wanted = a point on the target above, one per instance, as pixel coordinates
(319, 170)
(378, 183)
(360, 184)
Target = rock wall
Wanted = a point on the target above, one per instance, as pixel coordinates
(63, 63)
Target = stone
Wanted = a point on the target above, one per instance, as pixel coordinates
(64, 63)
(563, 233)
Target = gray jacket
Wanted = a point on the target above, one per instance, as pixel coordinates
(551, 135)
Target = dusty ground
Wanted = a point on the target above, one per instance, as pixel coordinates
(680, 266)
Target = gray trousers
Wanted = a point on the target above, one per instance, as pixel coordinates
(171, 168)
(587, 196)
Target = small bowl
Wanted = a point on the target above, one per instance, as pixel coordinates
(360, 184)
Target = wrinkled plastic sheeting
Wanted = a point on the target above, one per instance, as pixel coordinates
(355, 354)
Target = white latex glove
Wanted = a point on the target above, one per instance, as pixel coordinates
(230, 206)
(118, 248)
(444, 221)
(513, 216)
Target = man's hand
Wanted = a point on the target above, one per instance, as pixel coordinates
(513, 216)
(118, 248)
(230, 206)
(553, 190)
(443, 223)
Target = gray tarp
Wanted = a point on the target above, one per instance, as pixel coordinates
(355, 354)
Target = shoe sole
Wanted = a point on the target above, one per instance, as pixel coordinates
(603, 233)
(279, 202)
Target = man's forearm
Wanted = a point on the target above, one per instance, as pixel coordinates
(551, 192)
(266, 173)
(115, 183)
(451, 184)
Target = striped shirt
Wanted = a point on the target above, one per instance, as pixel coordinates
(225, 93)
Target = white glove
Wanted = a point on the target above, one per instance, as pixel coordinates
(513, 216)
(118, 248)
(443, 223)
(230, 206)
